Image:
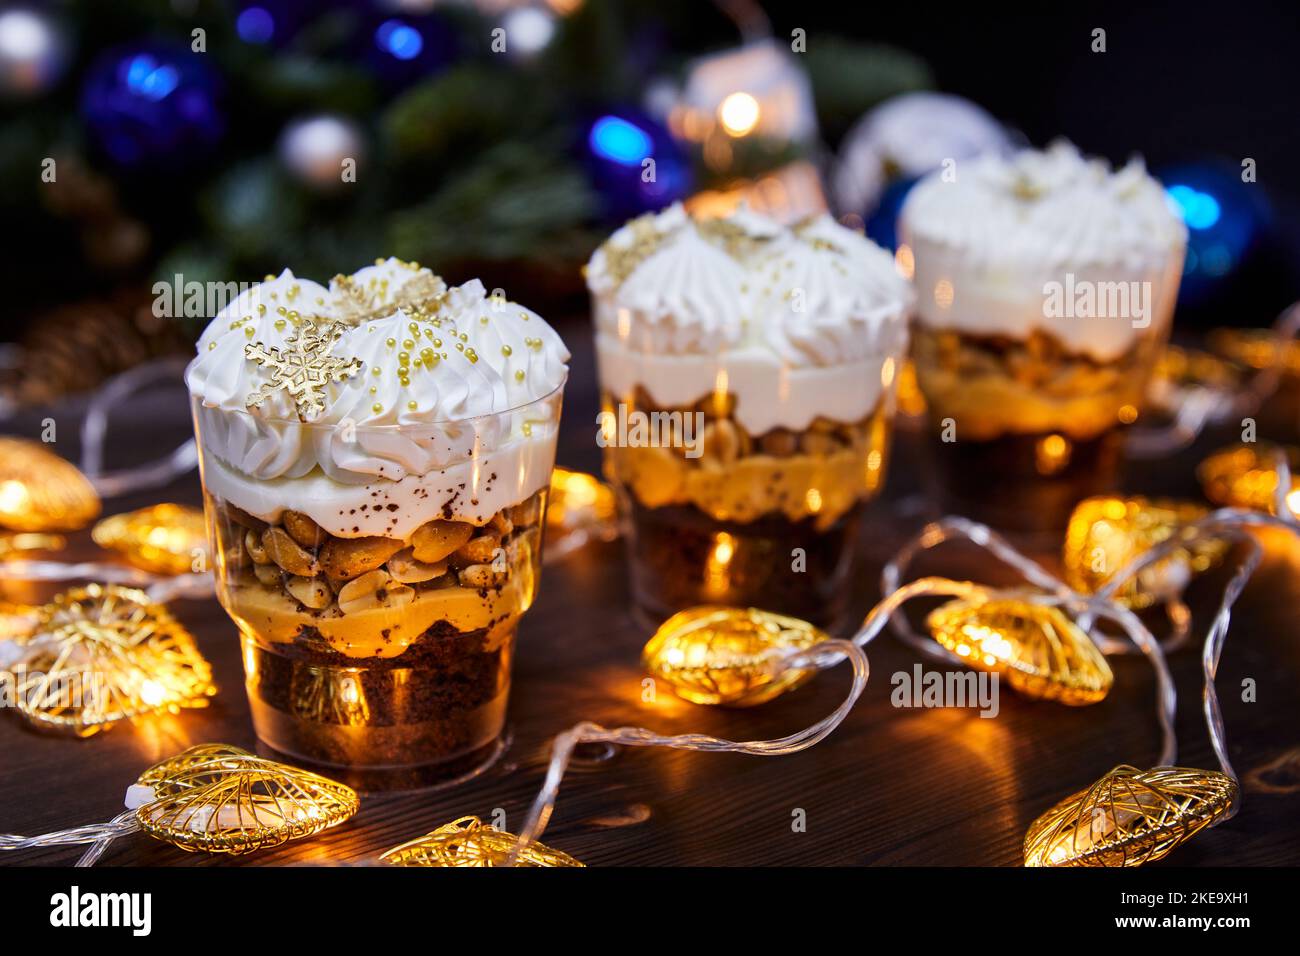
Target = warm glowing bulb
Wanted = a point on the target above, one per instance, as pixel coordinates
(739, 114)
(728, 655)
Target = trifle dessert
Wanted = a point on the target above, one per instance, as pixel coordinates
(375, 459)
(1045, 289)
(747, 376)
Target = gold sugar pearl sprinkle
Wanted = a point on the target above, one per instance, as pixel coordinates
(376, 371)
(249, 330)
(412, 404)
(261, 308)
(212, 345)
(483, 320)
(376, 408)
(460, 346)
(408, 344)
(281, 310)
(519, 375)
(404, 358)
(391, 343)
(268, 278)
(279, 325)
(505, 350)
(374, 389)
(415, 328)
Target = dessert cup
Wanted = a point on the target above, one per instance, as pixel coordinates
(1045, 291)
(748, 377)
(377, 559)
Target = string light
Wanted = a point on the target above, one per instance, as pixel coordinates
(724, 655)
(214, 798)
(1129, 817)
(1252, 476)
(1038, 650)
(1106, 533)
(580, 508)
(470, 842)
(162, 539)
(39, 491)
(1132, 816)
(102, 654)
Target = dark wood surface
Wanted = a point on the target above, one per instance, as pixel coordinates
(890, 786)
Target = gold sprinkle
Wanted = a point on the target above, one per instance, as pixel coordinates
(524, 316)
(379, 262)
(505, 350)
(404, 358)
(374, 389)
(212, 345)
(279, 325)
(281, 310)
(408, 344)
(376, 371)
(412, 404)
(248, 330)
(519, 375)
(482, 320)
(391, 343)
(460, 346)
(376, 408)
(261, 308)
(437, 343)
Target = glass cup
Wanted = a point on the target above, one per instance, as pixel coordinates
(385, 655)
(1024, 428)
(718, 513)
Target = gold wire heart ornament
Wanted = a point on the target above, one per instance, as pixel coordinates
(729, 655)
(215, 798)
(1105, 533)
(39, 491)
(469, 841)
(163, 539)
(1246, 476)
(1038, 650)
(102, 654)
(1130, 817)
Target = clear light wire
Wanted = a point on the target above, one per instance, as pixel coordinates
(818, 657)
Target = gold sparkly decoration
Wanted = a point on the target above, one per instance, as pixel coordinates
(215, 798)
(304, 367)
(1035, 647)
(470, 842)
(164, 539)
(102, 654)
(1106, 533)
(39, 491)
(1245, 476)
(1129, 817)
(728, 655)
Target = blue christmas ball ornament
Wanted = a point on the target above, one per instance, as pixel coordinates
(634, 163)
(152, 105)
(882, 225)
(1225, 213)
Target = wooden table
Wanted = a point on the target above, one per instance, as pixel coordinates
(890, 786)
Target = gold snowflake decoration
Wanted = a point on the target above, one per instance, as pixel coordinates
(304, 367)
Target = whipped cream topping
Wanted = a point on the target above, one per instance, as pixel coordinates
(795, 323)
(451, 386)
(987, 244)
